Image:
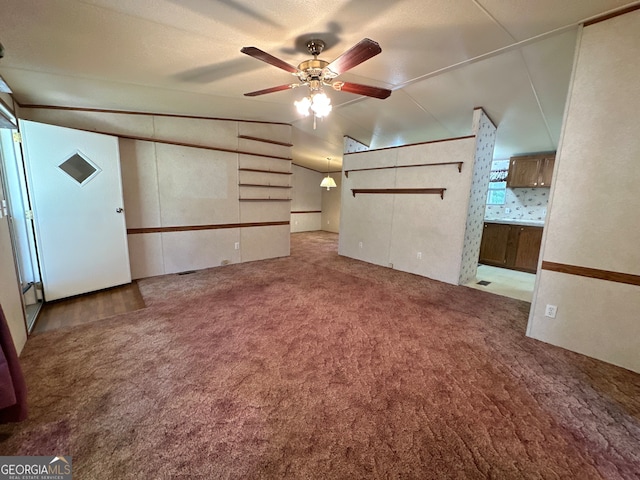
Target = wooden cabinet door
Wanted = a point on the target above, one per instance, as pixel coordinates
(528, 248)
(493, 248)
(546, 171)
(523, 172)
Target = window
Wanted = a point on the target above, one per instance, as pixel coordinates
(498, 182)
(78, 167)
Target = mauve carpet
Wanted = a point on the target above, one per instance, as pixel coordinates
(322, 367)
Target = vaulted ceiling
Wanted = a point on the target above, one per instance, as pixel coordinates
(441, 59)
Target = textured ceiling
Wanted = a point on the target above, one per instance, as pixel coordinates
(441, 58)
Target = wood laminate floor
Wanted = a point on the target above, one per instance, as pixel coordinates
(89, 307)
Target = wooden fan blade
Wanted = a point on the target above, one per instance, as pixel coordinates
(267, 58)
(361, 51)
(279, 88)
(359, 89)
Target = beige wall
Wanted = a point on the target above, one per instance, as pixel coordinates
(306, 197)
(393, 230)
(167, 185)
(331, 205)
(10, 295)
(593, 218)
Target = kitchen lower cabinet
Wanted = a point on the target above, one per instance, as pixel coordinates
(494, 245)
(511, 246)
(527, 248)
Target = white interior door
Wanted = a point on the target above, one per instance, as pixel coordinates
(76, 195)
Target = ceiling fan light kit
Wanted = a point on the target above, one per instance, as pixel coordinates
(317, 102)
(317, 74)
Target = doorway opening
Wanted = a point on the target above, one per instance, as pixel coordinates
(21, 229)
(505, 282)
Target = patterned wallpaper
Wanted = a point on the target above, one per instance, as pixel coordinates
(485, 132)
(528, 204)
(352, 145)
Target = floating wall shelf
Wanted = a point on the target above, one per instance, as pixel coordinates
(263, 185)
(265, 140)
(459, 164)
(264, 199)
(264, 171)
(430, 191)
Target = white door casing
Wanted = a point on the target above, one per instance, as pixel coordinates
(76, 195)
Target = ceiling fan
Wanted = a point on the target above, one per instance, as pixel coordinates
(316, 73)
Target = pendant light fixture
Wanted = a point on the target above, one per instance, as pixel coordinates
(327, 181)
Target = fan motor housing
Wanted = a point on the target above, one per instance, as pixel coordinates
(314, 64)
(313, 70)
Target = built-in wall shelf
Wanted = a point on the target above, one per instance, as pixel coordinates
(264, 171)
(459, 164)
(393, 191)
(263, 185)
(265, 140)
(264, 199)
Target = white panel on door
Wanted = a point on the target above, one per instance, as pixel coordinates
(76, 194)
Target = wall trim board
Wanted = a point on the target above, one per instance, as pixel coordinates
(306, 211)
(597, 273)
(412, 144)
(459, 164)
(610, 15)
(183, 144)
(191, 145)
(133, 112)
(265, 140)
(98, 110)
(190, 228)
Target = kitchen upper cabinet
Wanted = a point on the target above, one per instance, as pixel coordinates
(531, 170)
(546, 170)
(511, 246)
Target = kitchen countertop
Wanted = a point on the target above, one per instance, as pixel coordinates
(524, 223)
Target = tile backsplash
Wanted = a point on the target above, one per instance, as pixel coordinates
(528, 204)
